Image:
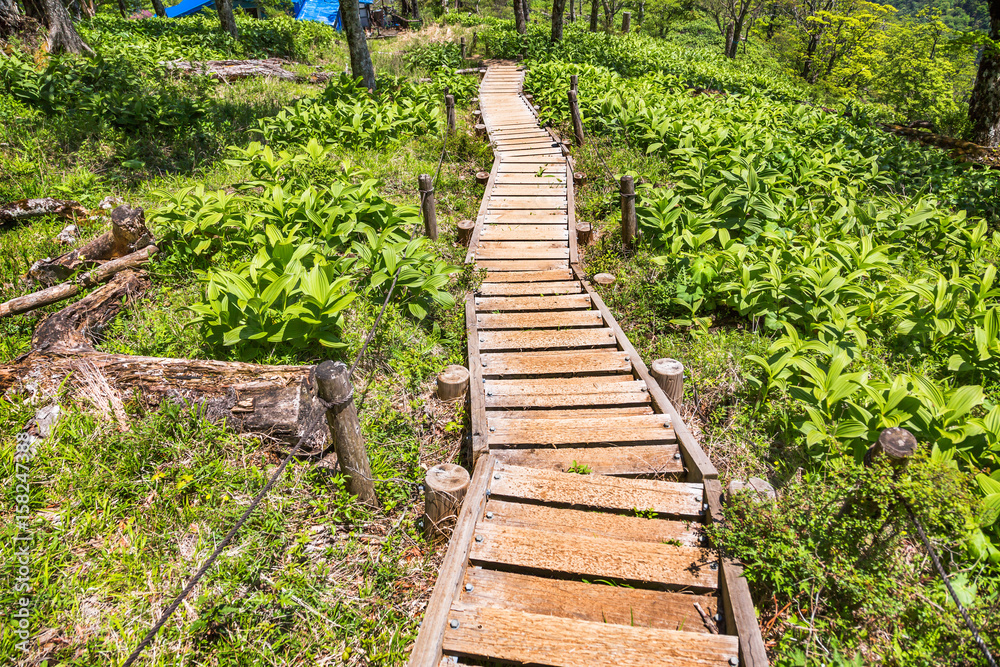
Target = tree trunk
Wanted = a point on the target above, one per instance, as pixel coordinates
(519, 21)
(572, 11)
(416, 10)
(729, 40)
(10, 18)
(62, 35)
(642, 12)
(737, 33)
(527, 10)
(593, 15)
(122, 9)
(807, 68)
(357, 43)
(160, 10)
(226, 18)
(558, 7)
(984, 105)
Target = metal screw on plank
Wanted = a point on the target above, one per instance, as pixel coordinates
(697, 499)
(492, 428)
(479, 538)
(714, 566)
(718, 617)
(705, 507)
(453, 624)
(733, 661)
(468, 588)
(626, 358)
(489, 515)
(496, 476)
(677, 456)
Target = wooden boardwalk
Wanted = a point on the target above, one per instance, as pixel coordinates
(548, 566)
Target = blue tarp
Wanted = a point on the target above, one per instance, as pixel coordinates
(326, 11)
(187, 8)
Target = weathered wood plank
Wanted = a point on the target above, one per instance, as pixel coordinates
(656, 461)
(528, 203)
(525, 289)
(525, 250)
(566, 318)
(522, 265)
(565, 400)
(645, 429)
(642, 563)
(599, 603)
(545, 339)
(542, 190)
(569, 411)
(596, 491)
(489, 304)
(562, 386)
(537, 639)
(523, 178)
(525, 233)
(477, 405)
(527, 276)
(553, 363)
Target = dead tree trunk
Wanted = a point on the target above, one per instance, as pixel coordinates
(128, 233)
(357, 44)
(22, 209)
(11, 19)
(984, 105)
(226, 18)
(519, 19)
(558, 8)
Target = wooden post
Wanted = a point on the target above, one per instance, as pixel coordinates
(626, 22)
(452, 381)
(445, 487)
(896, 444)
(579, 178)
(475, 36)
(482, 177)
(628, 212)
(465, 228)
(669, 374)
(427, 206)
(480, 129)
(574, 83)
(574, 109)
(583, 233)
(449, 105)
(477, 115)
(333, 384)
(461, 48)
(604, 279)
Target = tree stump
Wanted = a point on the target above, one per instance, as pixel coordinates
(465, 228)
(452, 383)
(480, 130)
(482, 177)
(669, 374)
(579, 178)
(896, 444)
(605, 279)
(445, 487)
(584, 233)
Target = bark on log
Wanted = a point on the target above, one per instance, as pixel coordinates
(229, 70)
(50, 295)
(128, 233)
(22, 209)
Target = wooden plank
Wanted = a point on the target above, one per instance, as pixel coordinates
(586, 602)
(581, 318)
(427, 649)
(699, 466)
(529, 159)
(523, 178)
(566, 400)
(530, 203)
(522, 264)
(527, 276)
(543, 190)
(525, 250)
(470, 255)
(525, 233)
(524, 289)
(651, 461)
(477, 398)
(553, 363)
(545, 339)
(593, 524)
(597, 491)
(568, 411)
(645, 429)
(537, 639)
(519, 217)
(491, 304)
(539, 168)
(642, 563)
(564, 386)
(574, 255)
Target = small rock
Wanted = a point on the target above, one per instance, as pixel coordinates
(110, 202)
(46, 419)
(68, 235)
(763, 492)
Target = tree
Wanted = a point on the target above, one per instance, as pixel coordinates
(226, 18)
(62, 35)
(984, 105)
(520, 22)
(10, 18)
(593, 15)
(160, 10)
(357, 43)
(734, 18)
(558, 8)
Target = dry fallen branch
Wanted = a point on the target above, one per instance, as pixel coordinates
(228, 70)
(29, 208)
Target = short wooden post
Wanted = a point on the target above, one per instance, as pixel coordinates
(449, 105)
(584, 232)
(427, 206)
(629, 230)
(461, 48)
(333, 384)
(480, 129)
(896, 444)
(529, 97)
(475, 36)
(574, 83)
(465, 228)
(574, 109)
(482, 177)
(669, 374)
(626, 22)
(476, 115)
(452, 381)
(604, 279)
(579, 178)
(445, 486)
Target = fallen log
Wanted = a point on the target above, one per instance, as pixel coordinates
(22, 209)
(276, 401)
(50, 295)
(128, 233)
(229, 70)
